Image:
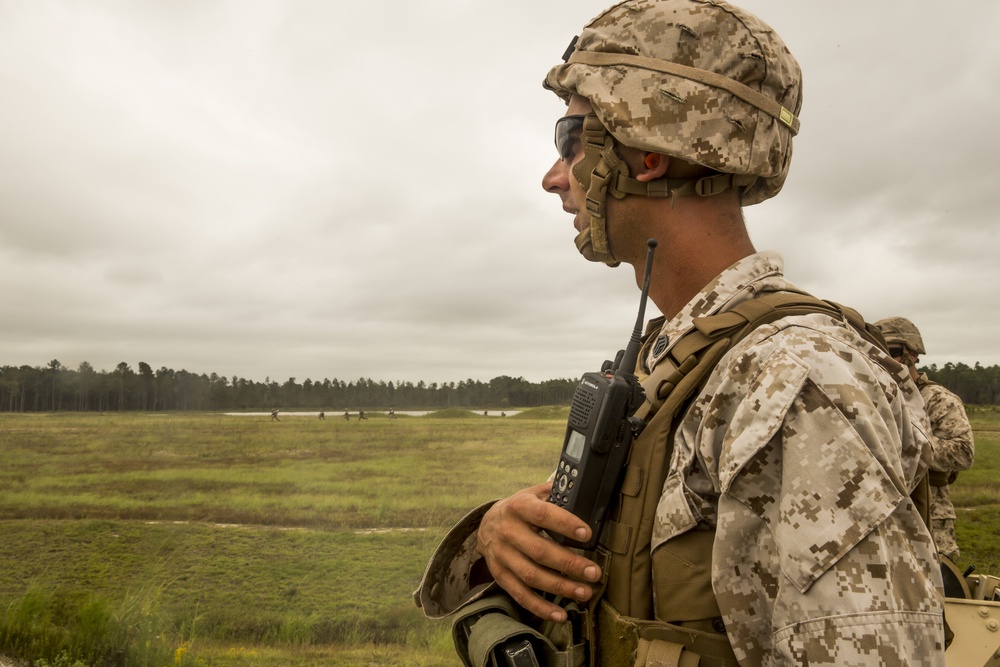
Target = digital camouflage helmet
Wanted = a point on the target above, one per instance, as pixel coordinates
(901, 331)
(699, 80)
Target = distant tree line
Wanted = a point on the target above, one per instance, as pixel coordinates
(976, 385)
(57, 388)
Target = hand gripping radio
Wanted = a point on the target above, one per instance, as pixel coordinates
(599, 432)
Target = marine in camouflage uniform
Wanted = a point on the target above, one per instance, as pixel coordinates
(798, 454)
(951, 433)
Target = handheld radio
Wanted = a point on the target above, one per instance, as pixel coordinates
(599, 432)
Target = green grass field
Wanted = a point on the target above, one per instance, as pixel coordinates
(976, 495)
(187, 539)
(226, 540)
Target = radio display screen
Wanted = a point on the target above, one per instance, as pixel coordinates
(575, 444)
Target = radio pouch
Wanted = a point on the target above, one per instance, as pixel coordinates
(489, 633)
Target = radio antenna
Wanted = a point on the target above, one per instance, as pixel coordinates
(631, 355)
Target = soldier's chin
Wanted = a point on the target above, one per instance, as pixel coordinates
(584, 245)
(588, 253)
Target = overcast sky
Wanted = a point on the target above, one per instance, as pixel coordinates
(330, 189)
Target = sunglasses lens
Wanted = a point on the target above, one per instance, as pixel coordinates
(895, 352)
(566, 127)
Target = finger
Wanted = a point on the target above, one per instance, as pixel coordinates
(517, 520)
(570, 566)
(521, 559)
(547, 566)
(533, 511)
(516, 583)
(532, 507)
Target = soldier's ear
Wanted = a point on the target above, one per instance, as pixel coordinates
(654, 165)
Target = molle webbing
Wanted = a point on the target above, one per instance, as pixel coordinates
(627, 537)
(655, 643)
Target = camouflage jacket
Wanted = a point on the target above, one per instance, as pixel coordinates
(951, 439)
(800, 452)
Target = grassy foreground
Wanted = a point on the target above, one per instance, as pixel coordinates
(186, 539)
(189, 539)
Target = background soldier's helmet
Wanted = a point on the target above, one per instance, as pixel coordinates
(696, 79)
(901, 330)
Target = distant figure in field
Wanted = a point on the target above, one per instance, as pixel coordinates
(347, 415)
(274, 415)
(392, 413)
(322, 416)
(503, 414)
(486, 413)
(361, 415)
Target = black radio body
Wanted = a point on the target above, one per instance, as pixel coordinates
(599, 433)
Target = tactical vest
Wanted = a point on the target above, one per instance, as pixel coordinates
(674, 583)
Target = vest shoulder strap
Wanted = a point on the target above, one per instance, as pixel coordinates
(771, 306)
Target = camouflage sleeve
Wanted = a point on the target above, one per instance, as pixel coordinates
(951, 442)
(820, 557)
(456, 574)
(874, 606)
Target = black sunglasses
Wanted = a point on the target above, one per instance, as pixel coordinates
(896, 351)
(566, 127)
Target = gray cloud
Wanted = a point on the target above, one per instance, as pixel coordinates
(314, 189)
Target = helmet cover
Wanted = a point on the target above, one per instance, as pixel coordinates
(901, 331)
(700, 80)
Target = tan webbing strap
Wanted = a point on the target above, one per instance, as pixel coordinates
(616, 537)
(732, 86)
(619, 639)
(690, 362)
(870, 332)
(764, 309)
(608, 174)
(632, 483)
(681, 187)
(657, 653)
(767, 308)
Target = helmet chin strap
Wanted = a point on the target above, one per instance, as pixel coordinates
(602, 171)
(582, 239)
(594, 171)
